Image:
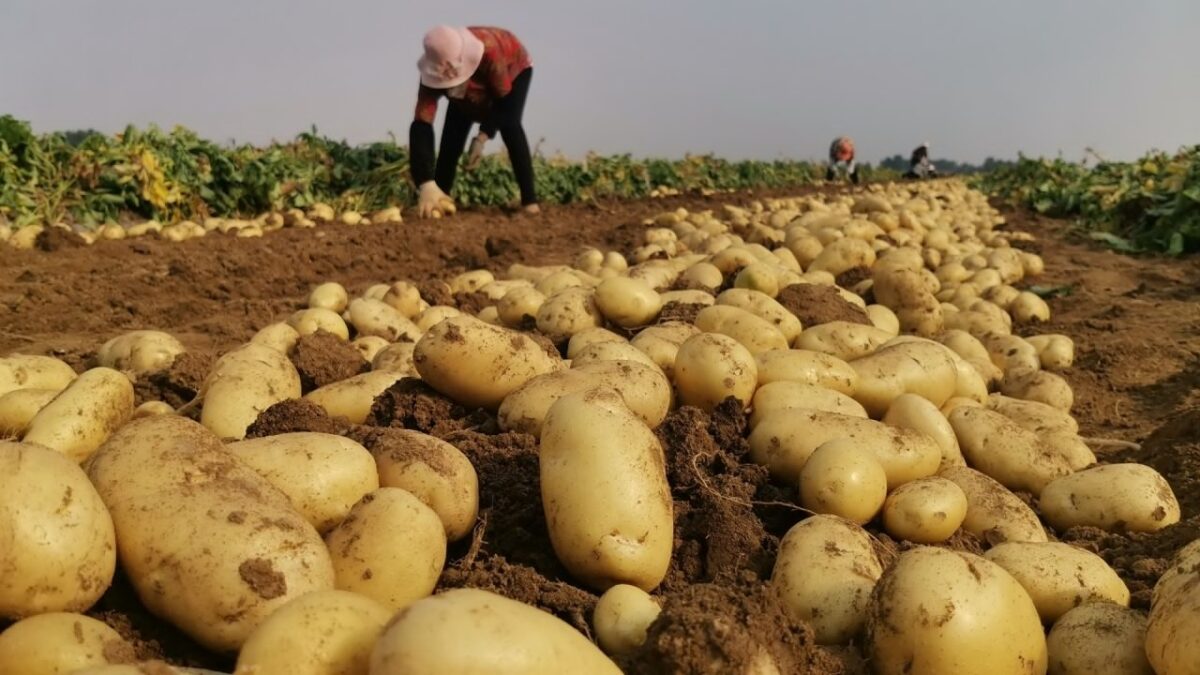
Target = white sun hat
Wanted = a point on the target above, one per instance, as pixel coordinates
(451, 57)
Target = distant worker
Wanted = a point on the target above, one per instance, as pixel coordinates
(841, 157)
(485, 74)
(919, 165)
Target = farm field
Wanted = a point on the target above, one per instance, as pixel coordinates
(1135, 380)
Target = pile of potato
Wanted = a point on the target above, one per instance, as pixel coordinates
(309, 553)
(25, 237)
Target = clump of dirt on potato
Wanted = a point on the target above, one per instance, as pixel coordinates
(388, 442)
(472, 303)
(853, 276)
(177, 384)
(436, 292)
(294, 415)
(323, 358)
(680, 311)
(815, 304)
(1139, 558)
(411, 404)
(710, 629)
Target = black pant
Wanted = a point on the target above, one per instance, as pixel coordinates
(505, 118)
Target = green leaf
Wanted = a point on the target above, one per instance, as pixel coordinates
(1113, 241)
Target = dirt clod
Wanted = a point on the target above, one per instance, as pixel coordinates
(56, 238)
(411, 404)
(179, 383)
(815, 304)
(294, 415)
(323, 358)
(262, 578)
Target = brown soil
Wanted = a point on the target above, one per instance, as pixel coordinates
(814, 304)
(1135, 323)
(323, 358)
(57, 238)
(680, 311)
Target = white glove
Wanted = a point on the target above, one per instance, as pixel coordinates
(432, 202)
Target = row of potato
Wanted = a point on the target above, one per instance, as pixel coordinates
(310, 553)
(26, 237)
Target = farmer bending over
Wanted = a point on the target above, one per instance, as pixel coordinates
(841, 157)
(485, 74)
(919, 165)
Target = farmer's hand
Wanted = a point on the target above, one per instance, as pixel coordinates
(432, 202)
(476, 152)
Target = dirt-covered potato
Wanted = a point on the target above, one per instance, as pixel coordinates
(323, 475)
(971, 350)
(842, 339)
(943, 612)
(329, 295)
(710, 367)
(604, 490)
(661, 343)
(925, 511)
(910, 411)
(765, 307)
(308, 321)
(1002, 449)
(840, 478)
(206, 542)
(923, 367)
(59, 547)
(1058, 576)
(58, 643)
(432, 470)
(519, 305)
(754, 333)
(376, 317)
(369, 346)
(352, 397)
(1055, 352)
(1039, 385)
(783, 442)
(627, 302)
(568, 312)
(1037, 417)
(322, 633)
(83, 415)
(140, 352)
(1029, 308)
(19, 407)
(432, 316)
(478, 364)
(1099, 638)
(242, 384)
(824, 574)
(621, 618)
(994, 514)
(843, 255)
(506, 637)
(397, 357)
(22, 371)
(390, 548)
(1115, 497)
(784, 395)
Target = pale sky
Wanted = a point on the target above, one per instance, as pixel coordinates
(745, 78)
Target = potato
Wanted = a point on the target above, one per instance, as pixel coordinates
(19, 407)
(842, 479)
(1035, 416)
(54, 643)
(842, 339)
(353, 397)
(824, 574)
(242, 384)
(207, 543)
(884, 319)
(323, 475)
(375, 317)
(784, 395)
(1011, 354)
(59, 549)
(806, 367)
(942, 612)
(308, 321)
(711, 367)
(621, 618)
(88, 411)
(567, 312)
(278, 336)
(152, 408)
(519, 305)
(21, 371)
(661, 343)
(391, 548)
(405, 297)
(910, 411)
(1040, 386)
(1115, 497)
(590, 336)
(612, 351)
(1002, 449)
(765, 307)
(433, 471)
(1055, 352)
(618, 529)
(925, 511)
(329, 295)
(755, 333)
(506, 637)
(922, 368)
(783, 442)
(703, 275)
(322, 633)
(369, 346)
(396, 357)
(477, 364)
(432, 316)
(627, 302)
(994, 514)
(469, 282)
(1099, 638)
(1172, 640)
(1059, 577)
(760, 277)
(1029, 308)
(843, 255)
(140, 352)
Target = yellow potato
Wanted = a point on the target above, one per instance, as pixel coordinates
(711, 367)
(1011, 354)
(1173, 632)
(19, 407)
(911, 411)
(612, 351)
(922, 368)
(621, 618)
(279, 336)
(1004, 450)
(843, 255)
(994, 514)
(432, 316)
(604, 490)
(1035, 416)
(323, 475)
(842, 479)
(397, 357)
(765, 307)
(330, 295)
(568, 312)
(824, 574)
(369, 346)
(1128, 497)
(661, 343)
(784, 395)
(925, 511)
(627, 302)
(941, 612)
(703, 275)
(308, 321)
(1055, 352)
(84, 414)
(242, 384)
(353, 397)
(753, 332)
(391, 548)
(806, 367)
(376, 317)
(1029, 308)
(1058, 576)
(478, 364)
(590, 336)
(140, 352)
(1040, 386)
(1099, 638)
(842, 339)
(519, 305)
(60, 643)
(884, 319)
(405, 298)
(469, 282)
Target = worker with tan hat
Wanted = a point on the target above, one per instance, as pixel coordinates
(841, 158)
(485, 74)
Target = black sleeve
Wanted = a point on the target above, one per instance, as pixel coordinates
(420, 151)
